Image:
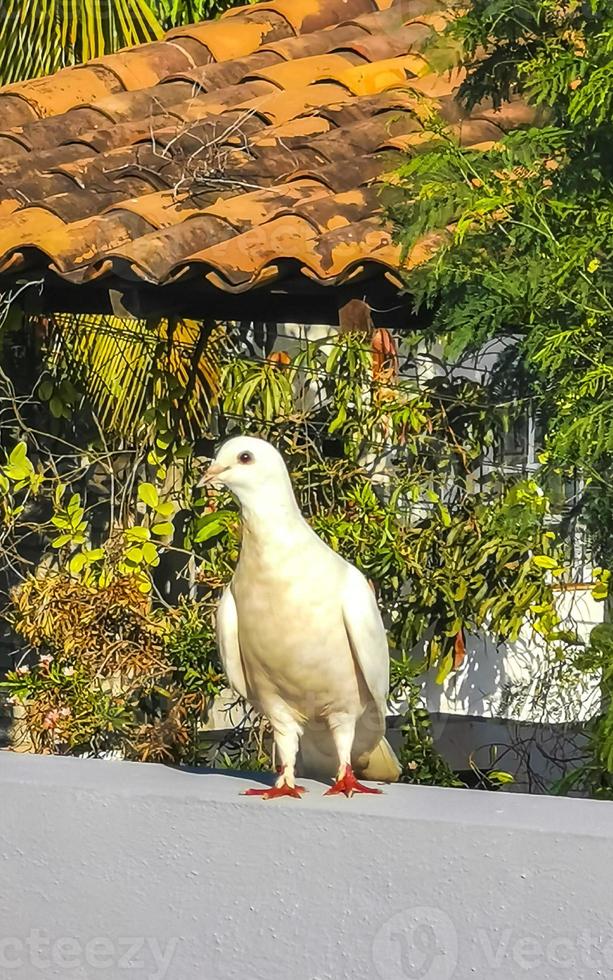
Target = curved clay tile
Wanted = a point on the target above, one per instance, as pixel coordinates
(219, 75)
(320, 42)
(71, 246)
(366, 135)
(37, 187)
(259, 206)
(16, 110)
(240, 151)
(335, 211)
(357, 110)
(241, 257)
(371, 78)
(306, 16)
(67, 88)
(13, 145)
(338, 250)
(300, 128)
(515, 114)
(280, 107)
(16, 169)
(78, 204)
(46, 133)
(156, 257)
(164, 127)
(380, 47)
(225, 41)
(144, 66)
(350, 172)
(129, 106)
(436, 86)
(473, 131)
(29, 227)
(305, 71)
(401, 12)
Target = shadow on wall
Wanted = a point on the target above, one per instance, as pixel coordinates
(521, 680)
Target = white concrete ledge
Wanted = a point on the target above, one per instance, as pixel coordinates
(120, 871)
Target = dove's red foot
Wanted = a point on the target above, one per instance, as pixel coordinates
(349, 785)
(273, 792)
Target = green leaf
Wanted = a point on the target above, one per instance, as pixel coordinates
(62, 540)
(56, 407)
(163, 529)
(165, 509)
(77, 562)
(137, 533)
(148, 494)
(207, 531)
(18, 454)
(339, 421)
(445, 668)
(74, 504)
(19, 466)
(150, 553)
(499, 776)
(96, 554)
(544, 561)
(45, 390)
(164, 440)
(445, 516)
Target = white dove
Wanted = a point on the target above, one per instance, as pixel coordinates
(300, 634)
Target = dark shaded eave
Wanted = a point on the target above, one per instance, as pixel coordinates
(295, 301)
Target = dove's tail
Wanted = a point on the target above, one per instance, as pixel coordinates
(318, 759)
(381, 764)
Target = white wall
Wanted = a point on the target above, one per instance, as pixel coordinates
(517, 680)
(124, 871)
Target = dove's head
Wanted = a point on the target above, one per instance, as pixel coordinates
(253, 470)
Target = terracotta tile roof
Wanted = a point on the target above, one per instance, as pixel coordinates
(240, 152)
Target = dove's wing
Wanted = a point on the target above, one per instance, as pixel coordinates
(366, 634)
(227, 641)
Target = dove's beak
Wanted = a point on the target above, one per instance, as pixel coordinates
(211, 476)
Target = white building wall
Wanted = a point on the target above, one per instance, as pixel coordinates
(517, 681)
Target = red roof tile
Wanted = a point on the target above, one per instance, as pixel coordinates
(238, 152)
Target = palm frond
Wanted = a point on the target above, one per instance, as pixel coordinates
(171, 13)
(38, 37)
(125, 366)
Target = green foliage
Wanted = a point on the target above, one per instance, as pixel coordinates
(448, 549)
(421, 762)
(446, 557)
(594, 777)
(38, 37)
(172, 13)
(192, 652)
(108, 672)
(524, 231)
(522, 237)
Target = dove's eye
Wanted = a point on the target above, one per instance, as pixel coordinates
(245, 458)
